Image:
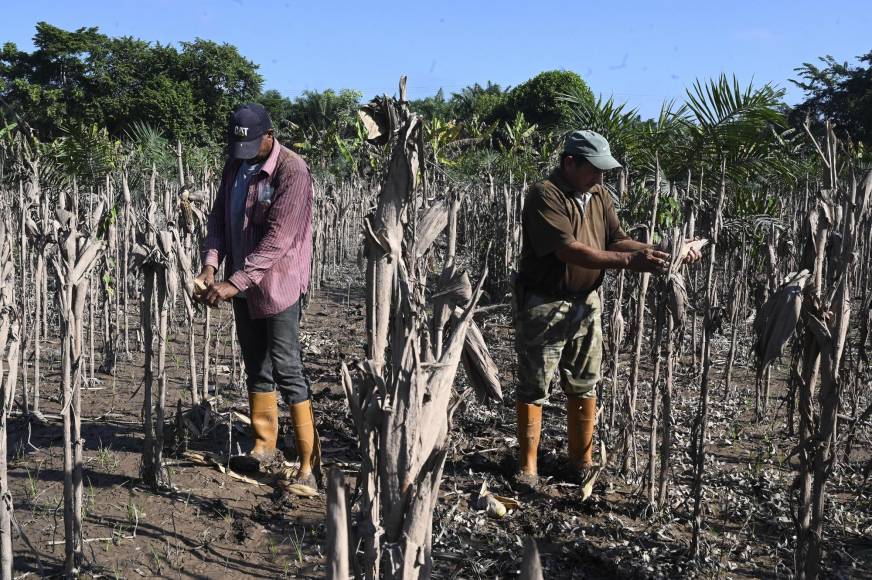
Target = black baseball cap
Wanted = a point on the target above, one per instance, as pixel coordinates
(248, 124)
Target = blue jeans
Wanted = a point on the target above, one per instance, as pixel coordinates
(271, 352)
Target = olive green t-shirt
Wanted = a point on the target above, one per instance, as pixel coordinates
(554, 216)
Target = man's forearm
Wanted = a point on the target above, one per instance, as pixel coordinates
(629, 245)
(587, 257)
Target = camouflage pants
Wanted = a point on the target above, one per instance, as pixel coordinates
(557, 335)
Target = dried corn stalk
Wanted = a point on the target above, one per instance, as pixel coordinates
(401, 398)
(191, 221)
(41, 235)
(671, 307)
(616, 338)
(699, 427)
(9, 344)
(77, 256)
(827, 317)
(155, 254)
(628, 431)
(337, 527)
(531, 567)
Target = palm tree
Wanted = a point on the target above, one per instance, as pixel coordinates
(725, 123)
(732, 125)
(616, 122)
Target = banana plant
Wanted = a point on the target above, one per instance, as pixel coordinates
(518, 134)
(440, 134)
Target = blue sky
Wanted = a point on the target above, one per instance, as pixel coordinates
(643, 52)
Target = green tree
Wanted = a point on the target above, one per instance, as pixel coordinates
(732, 124)
(614, 121)
(322, 121)
(220, 79)
(435, 107)
(87, 78)
(477, 101)
(280, 109)
(47, 86)
(319, 111)
(541, 101)
(839, 92)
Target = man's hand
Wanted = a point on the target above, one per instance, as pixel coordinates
(220, 292)
(649, 260)
(202, 281)
(693, 255)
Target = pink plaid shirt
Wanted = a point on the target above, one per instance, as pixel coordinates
(276, 232)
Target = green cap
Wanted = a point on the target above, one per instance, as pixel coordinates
(593, 147)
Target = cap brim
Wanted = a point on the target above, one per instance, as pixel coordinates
(245, 149)
(604, 162)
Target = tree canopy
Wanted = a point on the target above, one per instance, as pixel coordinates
(839, 92)
(541, 99)
(89, 78)
(86, 86)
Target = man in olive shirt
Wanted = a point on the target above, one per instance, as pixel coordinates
(571, 235)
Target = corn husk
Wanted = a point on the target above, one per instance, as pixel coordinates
(686, 247)
(380, 119)
(431, 224)
(481, 370)
(453, 291)
(674, 286)
(510, 502)
(299, 490)
(199, 286)
(211, 460)
(776, 321)
(587, 485)
(494, 505)
(676, 294)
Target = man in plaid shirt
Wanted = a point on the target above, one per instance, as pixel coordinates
(261, 227)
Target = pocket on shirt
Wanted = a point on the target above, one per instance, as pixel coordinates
(264, 201)
(265, 192)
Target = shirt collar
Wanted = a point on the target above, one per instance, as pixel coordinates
(270, 164)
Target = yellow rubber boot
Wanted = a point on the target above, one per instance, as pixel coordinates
(264, 422)
(529, 433)
(580, 420)
(303, 418)
(263, 411)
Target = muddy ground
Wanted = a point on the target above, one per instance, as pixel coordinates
(211, 525)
